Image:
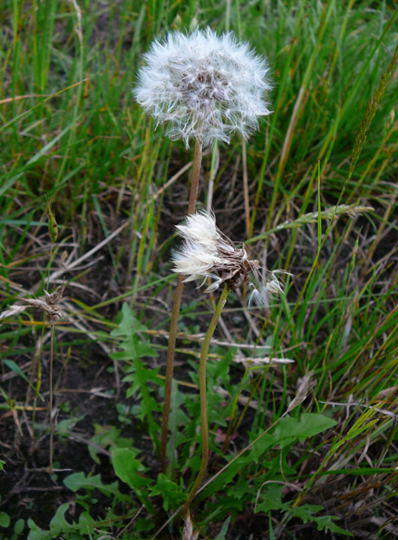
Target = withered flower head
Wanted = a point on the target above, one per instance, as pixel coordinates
(208, 253)
(50, 304)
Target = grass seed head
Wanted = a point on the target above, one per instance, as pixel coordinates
(203, 86)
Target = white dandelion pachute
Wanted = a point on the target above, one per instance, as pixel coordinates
(203, 86)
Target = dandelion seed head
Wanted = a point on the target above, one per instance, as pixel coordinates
(207, 253)
(203, 86)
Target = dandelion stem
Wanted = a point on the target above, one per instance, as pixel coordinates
(203, 399)
(195, 176)
(246, 189)
(51, 400)
(193, 196)
(170, 370)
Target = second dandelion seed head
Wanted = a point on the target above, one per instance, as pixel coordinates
(208, 254)
(203, 86)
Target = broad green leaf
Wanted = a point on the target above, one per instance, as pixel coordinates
(58, 522)
(36, 533)
(308, 425)
(19, 526)
(261, 446)
(4, 519)
(128, 468)
(313, 423)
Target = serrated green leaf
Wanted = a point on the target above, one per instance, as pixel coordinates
(134, 347)
(226, 477)
(107, 437)
(270, 498)
(307, 512)
(79, 480)
(86, 523)
(129, 324)
(64, 427)
(326, 523)
(172, 494)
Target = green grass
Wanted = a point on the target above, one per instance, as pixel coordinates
(78, 158)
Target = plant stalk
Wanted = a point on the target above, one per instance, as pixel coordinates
(203, 398)
(193, 196)
(51, 400)
(195, 176)
(246, 190)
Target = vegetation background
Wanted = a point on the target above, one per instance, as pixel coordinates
(90, 193)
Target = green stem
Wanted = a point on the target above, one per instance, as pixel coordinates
(51, 404)
(195, 176)
(203, 399)
(246, 197)
(193, 196)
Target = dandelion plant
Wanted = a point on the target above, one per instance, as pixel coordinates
(209, 255)
(204, 87)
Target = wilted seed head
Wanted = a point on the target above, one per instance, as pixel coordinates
(262, 288)
(208, 253)
(49, 304)
(203, 85)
